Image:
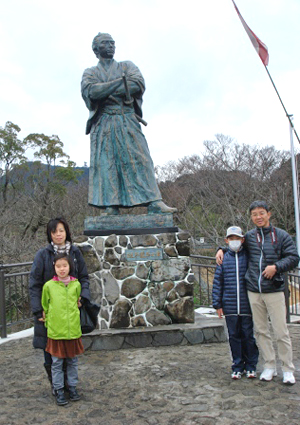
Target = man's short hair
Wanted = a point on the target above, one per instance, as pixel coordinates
(259, 204)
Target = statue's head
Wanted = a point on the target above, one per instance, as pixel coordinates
(104, 46)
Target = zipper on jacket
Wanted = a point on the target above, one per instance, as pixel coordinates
(237, 282)
(68, 316)
(260, 260)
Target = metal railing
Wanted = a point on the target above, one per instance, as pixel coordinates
(294, 292)
(15, 306)
(204, 269)
(14, 297)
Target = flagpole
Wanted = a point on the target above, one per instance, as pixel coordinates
(295, 188)
(288, 116)
(293, 163)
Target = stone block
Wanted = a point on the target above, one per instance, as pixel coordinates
(191, 278)
(220, 334)
(113, 342)
(140, 340)
(172, 269)
(90, 258)
(168, 285)
(171, 251)
(142, 304)
(167, 338)
(183, 236)
(98, 243)
(142, 271)
(111, 241)
(158, 295)
(87, 342)
(167, 238)
(123, 241)
(181, 310)
(138, 321)
(184, 289)
(194, 336)
(104, 313)
(143, 240)
(132, 286)
(120, 317)
(111, 257)
(172, 296)
(209, 334)
(80, 239)
(183, 248)
(122, 272)
(111, 287)
(96, 288)
(156, 317)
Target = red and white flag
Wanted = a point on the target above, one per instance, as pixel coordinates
(259, 46)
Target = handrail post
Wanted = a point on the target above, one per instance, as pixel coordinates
(287, 298)
(2, 304)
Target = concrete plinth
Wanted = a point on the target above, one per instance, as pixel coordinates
(129, 224)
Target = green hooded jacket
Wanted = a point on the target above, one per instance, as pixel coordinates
(60, 304)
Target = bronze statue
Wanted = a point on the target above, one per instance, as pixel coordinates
(121, 169)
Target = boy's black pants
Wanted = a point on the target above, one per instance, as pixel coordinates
(242, 343)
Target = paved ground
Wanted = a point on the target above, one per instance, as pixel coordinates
(159, 385)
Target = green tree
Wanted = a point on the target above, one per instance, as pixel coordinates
(12, 152)
(48, 181)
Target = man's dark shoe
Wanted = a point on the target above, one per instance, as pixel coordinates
(74, 396)
(60, 397)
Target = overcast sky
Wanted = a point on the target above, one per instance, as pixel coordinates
(202, 73)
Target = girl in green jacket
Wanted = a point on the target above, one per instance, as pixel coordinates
(61, 302)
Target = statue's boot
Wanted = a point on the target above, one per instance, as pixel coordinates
(112, 210)
(158, 207)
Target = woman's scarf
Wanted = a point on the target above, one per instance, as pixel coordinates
(63, 249)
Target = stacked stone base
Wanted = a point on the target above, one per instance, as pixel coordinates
(140, 280)
(203, 331)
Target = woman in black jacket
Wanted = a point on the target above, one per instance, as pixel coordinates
(59, 238)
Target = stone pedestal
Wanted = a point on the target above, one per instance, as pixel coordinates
(140, 280)
(129, 224)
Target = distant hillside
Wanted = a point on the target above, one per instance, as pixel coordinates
(31, 168)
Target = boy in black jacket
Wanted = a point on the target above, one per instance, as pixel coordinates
(230, 298)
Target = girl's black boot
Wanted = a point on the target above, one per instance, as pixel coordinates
(60, 397)
(48, 370)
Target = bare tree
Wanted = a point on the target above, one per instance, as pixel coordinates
(214, 190)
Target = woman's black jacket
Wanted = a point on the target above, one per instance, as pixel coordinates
(43, 270)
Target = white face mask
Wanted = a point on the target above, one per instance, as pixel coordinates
(235, 245)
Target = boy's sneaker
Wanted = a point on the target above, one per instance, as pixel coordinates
(268, 374)
(250, 374)
(74, 396)
(236, 375)
(288, 378)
